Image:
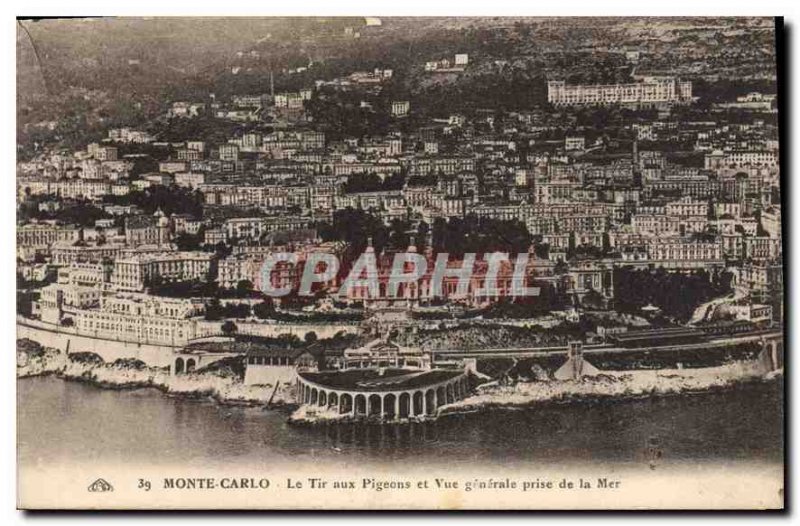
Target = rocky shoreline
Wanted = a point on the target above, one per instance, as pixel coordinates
(226, 388)
(609, 386)
(614, 386)
(217, 385)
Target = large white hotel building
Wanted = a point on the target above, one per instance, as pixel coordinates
(650, 90)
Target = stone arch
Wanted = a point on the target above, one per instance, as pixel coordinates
(405, 405)
(179, 365)
(430, 402)
(375, 406)
(314, 395)
(191, 364)
(323, 398)
(418, 405)
(389, 406)
(361, 404)
(333, 400)
(441, 399)
(306, 394)
(450, 399)
(345, 403)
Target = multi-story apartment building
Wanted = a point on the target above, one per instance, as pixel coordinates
(137, 271)
(102, 152)
(649, 91)
(147, 230)
(439, 165)
(686, 206)
(761, 247)
(66, 253)
(128, 135)
(723, 159)
(228, 152)
(140, 318)
(42, 236)
(86, 273)
(72, 188)
(762, 279)
(400, 108)
(680, 252)
(54, 298)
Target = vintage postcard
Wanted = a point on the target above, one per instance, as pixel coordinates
(399, 263)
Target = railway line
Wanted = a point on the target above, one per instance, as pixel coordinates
(526, 352)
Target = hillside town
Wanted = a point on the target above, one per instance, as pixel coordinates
(644, 197)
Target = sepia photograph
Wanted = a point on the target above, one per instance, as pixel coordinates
(400, 263)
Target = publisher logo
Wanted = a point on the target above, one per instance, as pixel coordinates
(100, 486)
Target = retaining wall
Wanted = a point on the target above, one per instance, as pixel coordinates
(66, 339)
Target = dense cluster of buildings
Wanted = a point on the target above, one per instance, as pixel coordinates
(591, 203)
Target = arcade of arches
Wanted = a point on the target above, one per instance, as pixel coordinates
(184, 366)
(386, 405)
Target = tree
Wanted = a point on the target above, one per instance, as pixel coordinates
(82, 212)
(24, 303)
(222, 249)
(244, 287)
(263, 310)
(169, 199)
(229, 328)
(183, 289)
(676, 294)
(186, 241)
(370, 182)
(310, 337)
(480, 235)
(354, 227)
(593, 300)
(214, 310)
